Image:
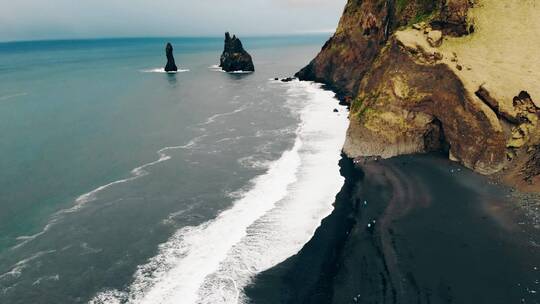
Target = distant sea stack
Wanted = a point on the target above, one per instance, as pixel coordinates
(171, 65)
(234, 57)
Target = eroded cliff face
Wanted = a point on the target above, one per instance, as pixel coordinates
(345, 58)
(453, 75)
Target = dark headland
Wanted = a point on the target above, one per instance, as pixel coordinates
(235, 57)
(171, 65)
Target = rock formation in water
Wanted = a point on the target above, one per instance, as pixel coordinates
(456, 75)
(234, 57)
(171, 65)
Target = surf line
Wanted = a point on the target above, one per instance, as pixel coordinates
(213, 118)
(162, 70)
(6, 97)
(134, 174)
(269, 222)
(183, 262)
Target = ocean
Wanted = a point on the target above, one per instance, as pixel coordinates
(123, 184)
(120, 183)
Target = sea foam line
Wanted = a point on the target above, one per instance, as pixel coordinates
(217, 68)
(6, 97)
(92, 195)
(16, 269)
(135, 174)
(282, 231)
(193, 253)
(270, 222)
(162, 70)
(213, 118)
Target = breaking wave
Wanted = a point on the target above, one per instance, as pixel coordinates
(267, 223)
(162, 70)
(217, 68)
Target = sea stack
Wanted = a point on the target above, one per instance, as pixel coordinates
(234, 57)
(171, 65)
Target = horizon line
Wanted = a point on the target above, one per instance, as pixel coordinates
(303, 33)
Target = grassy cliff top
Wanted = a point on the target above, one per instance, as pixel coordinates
(503, 54)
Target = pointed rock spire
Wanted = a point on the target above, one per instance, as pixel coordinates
(171, 65)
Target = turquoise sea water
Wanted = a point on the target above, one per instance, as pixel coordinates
(103, 158)
(77, 113)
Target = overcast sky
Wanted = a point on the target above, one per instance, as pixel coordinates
(57, 19)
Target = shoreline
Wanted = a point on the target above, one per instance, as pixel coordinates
(266, 223)
(412, 229)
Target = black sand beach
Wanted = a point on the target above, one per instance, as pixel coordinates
(413, 229)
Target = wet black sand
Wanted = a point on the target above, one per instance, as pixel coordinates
(412, 230)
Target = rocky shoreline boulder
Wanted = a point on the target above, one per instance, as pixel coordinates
(171, 65)
(234, 57)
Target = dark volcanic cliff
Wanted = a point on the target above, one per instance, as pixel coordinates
(234, 57)
(447, 74)
(364, 30)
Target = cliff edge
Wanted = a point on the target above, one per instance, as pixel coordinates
(455, 75)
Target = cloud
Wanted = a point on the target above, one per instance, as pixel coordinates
(38, 19)
(307, 3)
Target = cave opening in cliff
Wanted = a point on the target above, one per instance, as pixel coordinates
(435, 139)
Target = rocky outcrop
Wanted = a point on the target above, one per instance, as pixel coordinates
(453, 18)
(171, 65)
(421, 76)
(234, 57)
(345, 58)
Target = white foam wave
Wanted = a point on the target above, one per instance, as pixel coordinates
(275, 133)
(270, 222)
(240, 72)
(217, 68)
(135, 173)
(6, 97)
(162, 70)
(54, 277)
(213, 118)
(233, 139)
(92, 195)
(254, 162)
(17, 269)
